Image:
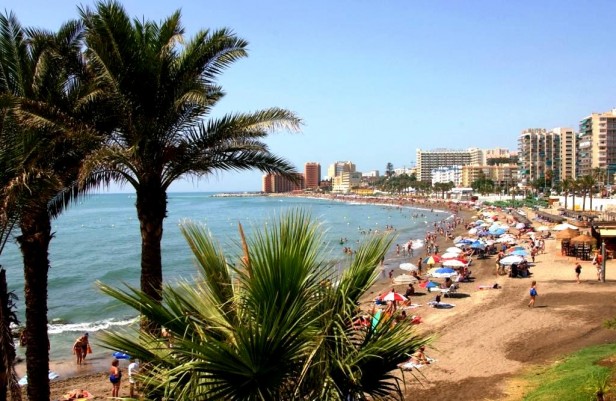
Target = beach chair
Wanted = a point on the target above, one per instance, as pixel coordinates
(453, 289)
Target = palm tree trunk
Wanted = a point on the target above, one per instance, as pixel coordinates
(8, 376)
(34, 243)
(151, 211)
(584, 202)
(566, 197)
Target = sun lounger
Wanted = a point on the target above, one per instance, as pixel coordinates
(448, 292)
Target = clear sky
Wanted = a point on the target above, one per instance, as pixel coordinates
(375, 80)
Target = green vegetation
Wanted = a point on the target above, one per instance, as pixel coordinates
(274, 323)
(585, 375)
(528, 202)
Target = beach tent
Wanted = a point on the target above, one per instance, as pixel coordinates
(408, 266)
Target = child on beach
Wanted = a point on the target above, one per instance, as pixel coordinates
(578, 271)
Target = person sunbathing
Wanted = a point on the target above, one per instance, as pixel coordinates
(419, 357)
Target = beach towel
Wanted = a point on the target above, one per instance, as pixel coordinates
(77, 395)
(412, 365)
(24, 380)
(441, 305)
(411, 306)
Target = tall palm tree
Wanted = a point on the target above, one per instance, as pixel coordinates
(42, 72)
(161, 88)
(586, 184)
(566, 187)
(275, 323)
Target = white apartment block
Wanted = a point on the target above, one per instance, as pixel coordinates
(447, 174)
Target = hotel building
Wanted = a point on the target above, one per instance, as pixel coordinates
(596, 144)
(275, 183)
(338, 168)
(312, 175)
(433, 159)
(546, 154)
(504, 176)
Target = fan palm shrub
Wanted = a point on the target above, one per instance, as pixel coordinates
(274, 322)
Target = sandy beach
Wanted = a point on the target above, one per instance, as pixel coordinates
(488, 337)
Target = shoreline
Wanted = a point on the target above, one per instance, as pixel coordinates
(98, 361)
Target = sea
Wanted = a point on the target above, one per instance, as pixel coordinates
(98, 239)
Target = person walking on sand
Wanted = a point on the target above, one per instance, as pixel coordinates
(133, 367)
(578, 271)
(533, 294)
(115, 377)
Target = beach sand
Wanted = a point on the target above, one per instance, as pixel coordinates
(488, 337)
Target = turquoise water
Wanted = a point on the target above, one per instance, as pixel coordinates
(99, 239)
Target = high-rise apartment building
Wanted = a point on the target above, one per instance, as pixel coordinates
(312, 175)
(275, 183)
(596, 144)
(338, 168)
(504, 176)
(447, 174)
(546, 154)
(428, 160)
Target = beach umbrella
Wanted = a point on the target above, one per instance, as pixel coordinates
(405, 279)
(428, 284)
(478, 222)
(519, 252)
(520, 226)
(490, 242)
(509, 260)
(567, 233)
(457, 239)
(394, 296)
(433, 259)
(442, 270)
(498, 231)
(472, 231)
(408, 266)
(453, 249)
(543, 228)
(450, 255)
(583, 239)
(478, 245)
(454, 263)
(564, 226)
(507, 240)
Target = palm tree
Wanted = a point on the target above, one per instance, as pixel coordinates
(160, 88)
(566, 185)
(275, 323)
(42, 73)
(586, 184)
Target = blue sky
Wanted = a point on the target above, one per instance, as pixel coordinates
(375, 80)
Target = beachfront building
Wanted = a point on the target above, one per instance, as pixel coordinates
(346, 181)
(312, 175)
(504, 176)
(596, 144)
(275, 183)
(428, 160)
(404, 170)
(338, 168)
(447, 174)
(499, 156)
(548, 155)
